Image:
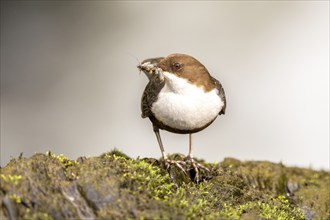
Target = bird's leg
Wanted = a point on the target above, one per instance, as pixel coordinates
(156, 130)
(167, 161)
(193, 163)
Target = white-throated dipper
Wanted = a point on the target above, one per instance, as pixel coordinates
(181, 97)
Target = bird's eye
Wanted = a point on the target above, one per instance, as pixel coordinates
(177, 66)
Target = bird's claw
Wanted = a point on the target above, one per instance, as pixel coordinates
(196, 166)
(182, 165)
(177, 163)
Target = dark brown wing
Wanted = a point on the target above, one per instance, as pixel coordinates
(150, 95)
(222, 95)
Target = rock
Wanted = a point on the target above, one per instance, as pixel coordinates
(114, 186)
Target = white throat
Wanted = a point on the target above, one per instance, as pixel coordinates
(185, 106)
(178, 85)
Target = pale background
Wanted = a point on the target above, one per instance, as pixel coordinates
(69, 81)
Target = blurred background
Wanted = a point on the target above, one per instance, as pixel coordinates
(69, 82)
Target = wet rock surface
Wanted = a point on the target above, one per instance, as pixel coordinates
(113, 186)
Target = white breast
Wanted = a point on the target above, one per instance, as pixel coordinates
(184, 106)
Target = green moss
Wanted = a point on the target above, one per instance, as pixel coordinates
(67, 164)
(14, 179)
(280, 209)
(274, 208)
(148, 178)
(63, 159)
(28, 215)
(197, 201)
(114, 186)
(115, 152)
(15, 198)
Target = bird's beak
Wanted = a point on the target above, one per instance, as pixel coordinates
(149, 67)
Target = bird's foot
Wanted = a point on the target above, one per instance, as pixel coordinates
(188, 166)
(177, 163)
(196, 166)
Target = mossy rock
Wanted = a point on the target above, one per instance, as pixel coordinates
(114, 186)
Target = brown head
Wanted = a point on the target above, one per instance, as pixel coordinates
(189, 68)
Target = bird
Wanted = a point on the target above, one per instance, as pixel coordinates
(181, 97)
